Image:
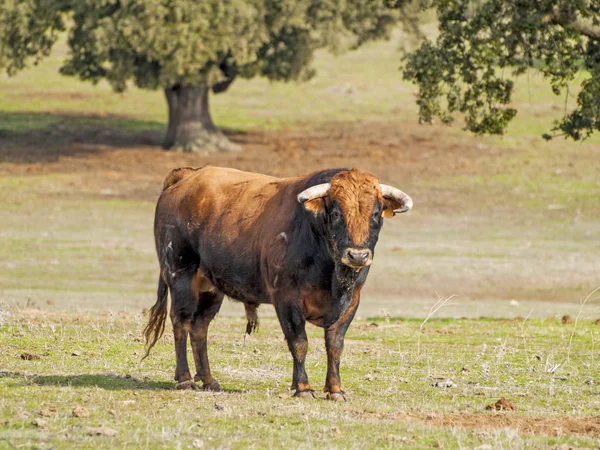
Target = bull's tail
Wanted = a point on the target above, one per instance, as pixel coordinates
(157, 317)
(252, 317)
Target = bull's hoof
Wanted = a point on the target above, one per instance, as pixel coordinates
(213, 386)
(337, 396)
(187, 385)
(310, 394)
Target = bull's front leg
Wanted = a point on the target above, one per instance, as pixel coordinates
(293, 324)
(334, 343)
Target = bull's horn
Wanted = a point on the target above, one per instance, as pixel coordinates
(398, 196)
(320, 190)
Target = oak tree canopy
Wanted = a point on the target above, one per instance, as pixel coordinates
(484, 44)
(190, 49)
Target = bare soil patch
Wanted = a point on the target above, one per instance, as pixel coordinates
(548, 426)
(135, 164)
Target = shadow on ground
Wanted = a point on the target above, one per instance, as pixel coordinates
(108, 382)
(27, 137)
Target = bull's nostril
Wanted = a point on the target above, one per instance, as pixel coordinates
(358, 257)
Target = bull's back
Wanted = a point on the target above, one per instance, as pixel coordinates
(225, 201)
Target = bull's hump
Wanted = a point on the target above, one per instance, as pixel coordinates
(229, 175)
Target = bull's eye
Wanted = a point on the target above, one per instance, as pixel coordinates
(375, 216)
(335, 214)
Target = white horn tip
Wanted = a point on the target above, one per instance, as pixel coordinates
(407, 207)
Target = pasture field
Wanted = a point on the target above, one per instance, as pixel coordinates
(508, 226)
(75, 380)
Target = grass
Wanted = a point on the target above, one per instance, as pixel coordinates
(93, 361)
(48, 262)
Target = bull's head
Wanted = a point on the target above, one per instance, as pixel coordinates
(353, 206)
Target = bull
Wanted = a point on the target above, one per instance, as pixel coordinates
(302, 244)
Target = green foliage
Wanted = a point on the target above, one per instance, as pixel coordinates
(28, 29)
(162, 43)
(484, 44)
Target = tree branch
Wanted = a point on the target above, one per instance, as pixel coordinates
(569, 19)
(222, 86)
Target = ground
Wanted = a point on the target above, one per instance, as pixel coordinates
(507, 227)
(76, 380)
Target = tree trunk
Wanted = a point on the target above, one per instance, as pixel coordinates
(191, 128)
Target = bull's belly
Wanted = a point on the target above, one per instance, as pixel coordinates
(240, 293)
(233, 270)
(234, 285)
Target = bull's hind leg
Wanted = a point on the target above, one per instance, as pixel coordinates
(183, 305)
(209, 304)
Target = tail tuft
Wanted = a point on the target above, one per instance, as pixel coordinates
(158, 316)
(252, 317)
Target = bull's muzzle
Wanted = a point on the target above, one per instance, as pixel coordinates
(357, 258)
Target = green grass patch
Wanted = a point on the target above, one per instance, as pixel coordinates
(390, 368)
(19, 122)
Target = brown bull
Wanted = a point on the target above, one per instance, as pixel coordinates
(302, 244)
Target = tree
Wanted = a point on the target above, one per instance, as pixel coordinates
(28, 29)
(192, 48)
(484, 44)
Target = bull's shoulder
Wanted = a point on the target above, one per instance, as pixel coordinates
(177, 175)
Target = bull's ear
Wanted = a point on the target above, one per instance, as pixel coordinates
(312, 198)
(389, 206)
(315, 206)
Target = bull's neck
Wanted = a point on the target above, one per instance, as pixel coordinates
(345, 279)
